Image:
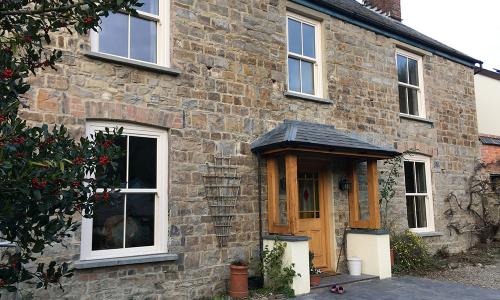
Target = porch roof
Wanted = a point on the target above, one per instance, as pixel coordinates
(299, 134)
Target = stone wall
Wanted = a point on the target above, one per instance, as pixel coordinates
(232, 58)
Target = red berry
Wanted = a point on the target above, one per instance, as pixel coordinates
(7, 73)
(2, 118)
(18, 140)
(105, 196)
(27, 38)
(88, 20)
(103, 160)
(78, 160)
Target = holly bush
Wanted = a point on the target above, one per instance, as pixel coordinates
(46, 176)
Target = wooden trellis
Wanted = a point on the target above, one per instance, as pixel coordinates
(222, 189)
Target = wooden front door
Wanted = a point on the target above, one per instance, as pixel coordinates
(313, 218)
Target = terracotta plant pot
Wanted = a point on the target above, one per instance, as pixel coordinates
(315, 280)
(239, 281)
(392, 258)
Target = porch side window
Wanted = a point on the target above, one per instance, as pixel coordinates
(363, 195)
(134, 221)
(411, 96)
(277, 195)
(143, 37)
(418, 193)
(304, 55)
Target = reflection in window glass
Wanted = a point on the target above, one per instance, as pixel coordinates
(282, 199)
(140, 220)
(142, 162)
(416, 193)
(294, 75)
(149, 6)
(362, 178)
(107, 225)
(143, 39)
(402, 69)
(412, 101)
(294, 36)
(309, 40)
(307, 69)
(413, 71)
(113, 38)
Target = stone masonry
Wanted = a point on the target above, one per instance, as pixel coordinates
(231, 55)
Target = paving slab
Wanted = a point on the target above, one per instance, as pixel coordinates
(406, 288)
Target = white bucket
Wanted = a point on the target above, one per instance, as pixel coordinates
(354, 264)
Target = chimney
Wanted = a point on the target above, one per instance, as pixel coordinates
(391, 8)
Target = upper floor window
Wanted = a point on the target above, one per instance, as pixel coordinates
(134, 222)
(419, 204)
(304, 55)
(410, 84)
(143, 37)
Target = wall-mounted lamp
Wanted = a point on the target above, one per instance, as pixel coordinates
(344, 184)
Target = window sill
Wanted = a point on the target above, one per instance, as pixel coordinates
(415, 118)
(133, 63)
(429, 234)
(7, 245)
(122, 261)
(307, 97)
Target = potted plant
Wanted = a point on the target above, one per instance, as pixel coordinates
(313, 271)
(239, 279)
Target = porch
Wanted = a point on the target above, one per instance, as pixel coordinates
(310, 169)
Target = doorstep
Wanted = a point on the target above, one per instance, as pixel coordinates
(342, 279)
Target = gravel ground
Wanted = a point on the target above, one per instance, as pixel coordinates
(479, 267)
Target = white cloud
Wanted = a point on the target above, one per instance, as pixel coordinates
(471, 27)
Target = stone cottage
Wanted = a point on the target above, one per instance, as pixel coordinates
(307, 98)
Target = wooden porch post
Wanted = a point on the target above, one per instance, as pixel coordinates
(292, 192)
(373, 196)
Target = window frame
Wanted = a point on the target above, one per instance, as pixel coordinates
(420, 88)
(162, 35)
(317, 62)
(429, 202)
(161, 199)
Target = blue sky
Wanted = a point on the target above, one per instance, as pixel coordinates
(472, 27)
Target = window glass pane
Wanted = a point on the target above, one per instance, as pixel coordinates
(412, 102)
(413, 71)
(421, 211)
(149, 6)
(143, 39)
(403, 105)
(142, 162)
(294, 37)
(140, 223)
(410, 211)
(362, 177)
(421, 182)
(307, 77)
(309, 40)
(402, 69)
(293, 74)
(409, 177)
(107, 224)
(282, 203)
(113, 38)
(122, 162)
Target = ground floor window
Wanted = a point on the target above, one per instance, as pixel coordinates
(419, 205)
(135, 221)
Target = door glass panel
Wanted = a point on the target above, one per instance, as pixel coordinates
(113, 38)
(308, 195)
(142, 162)
(140, 221)
(107, 224)
(282, 203)
(362, 178)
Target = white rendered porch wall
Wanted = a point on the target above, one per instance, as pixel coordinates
(296, 252)
(373, 247)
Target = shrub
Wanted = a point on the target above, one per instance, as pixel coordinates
(410, 253)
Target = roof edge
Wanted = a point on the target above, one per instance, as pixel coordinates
(362, 22)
